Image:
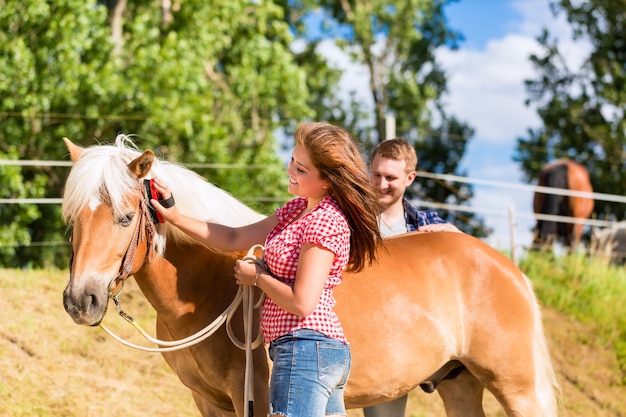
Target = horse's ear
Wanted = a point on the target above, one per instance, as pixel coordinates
(141, 166)
(75, 150)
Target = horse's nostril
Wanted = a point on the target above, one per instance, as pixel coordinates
(86, 309)
(91, 304)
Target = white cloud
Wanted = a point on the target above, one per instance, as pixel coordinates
(486, 87)
(486, 90)
(355, 78)
(535, 16)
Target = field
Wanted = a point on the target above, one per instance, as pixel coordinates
(51, 367)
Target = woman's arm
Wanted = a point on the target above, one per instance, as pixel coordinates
(213, 234)
(314, 266)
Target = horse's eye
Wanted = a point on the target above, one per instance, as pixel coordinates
(126, 219)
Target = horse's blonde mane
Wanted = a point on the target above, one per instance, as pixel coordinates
(102, 172)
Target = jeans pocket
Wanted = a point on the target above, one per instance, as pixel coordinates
(333, 363)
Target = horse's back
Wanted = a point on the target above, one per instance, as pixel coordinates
(430, 298)
(554, 174)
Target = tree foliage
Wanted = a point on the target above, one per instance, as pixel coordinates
(52, 54)
(205, 82)
(582, 109)
(394, 43)
(199, 82)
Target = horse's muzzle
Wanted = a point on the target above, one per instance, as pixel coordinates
(86, 307)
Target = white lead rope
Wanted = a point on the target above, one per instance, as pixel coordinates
(194, 339)
(244, 294)
(249, 345)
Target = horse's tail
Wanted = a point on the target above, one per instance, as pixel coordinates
(556, 177)
(546, 385)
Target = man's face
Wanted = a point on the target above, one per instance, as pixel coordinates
(390, 179)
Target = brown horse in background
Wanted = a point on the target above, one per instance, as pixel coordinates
(444, 311)
(568, 175)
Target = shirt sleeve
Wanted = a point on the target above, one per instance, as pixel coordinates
(429, 217)
(416, 218)
(329, 231)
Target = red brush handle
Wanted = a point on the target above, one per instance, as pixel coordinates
(157, 196)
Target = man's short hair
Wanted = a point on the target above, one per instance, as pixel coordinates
(397, 149)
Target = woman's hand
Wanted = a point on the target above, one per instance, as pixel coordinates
(169, 214)
(246, 272)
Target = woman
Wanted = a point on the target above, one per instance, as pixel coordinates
(330, 226)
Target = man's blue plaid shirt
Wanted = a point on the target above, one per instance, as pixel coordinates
(415, 218)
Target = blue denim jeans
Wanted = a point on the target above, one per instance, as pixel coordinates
(309, 374)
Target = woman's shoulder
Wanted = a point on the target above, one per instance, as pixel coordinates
(295, 202)
(329, 209)
(290, 206)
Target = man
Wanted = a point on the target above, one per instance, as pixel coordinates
(392, 170)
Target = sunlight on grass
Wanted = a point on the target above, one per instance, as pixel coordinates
(588, 289)
(50, 366)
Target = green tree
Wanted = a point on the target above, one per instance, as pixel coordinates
(52, 55)
(200, 82)
(395, 42)
(582, 109)
(13, 234)
(221, 81)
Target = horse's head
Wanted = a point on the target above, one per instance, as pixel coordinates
(104, 204)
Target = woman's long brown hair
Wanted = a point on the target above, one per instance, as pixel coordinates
(336, 155)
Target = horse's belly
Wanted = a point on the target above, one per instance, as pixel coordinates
(398, 339)
(390, 361)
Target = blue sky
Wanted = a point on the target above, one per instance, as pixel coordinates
(481, 20)
(484, 24)
(486, 90)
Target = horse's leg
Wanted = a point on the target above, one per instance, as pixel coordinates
(514, 374)
(394, 408)
(518, 399)
(462, 396)
(520, 373)
(260, 403)
(524, 386)
(208, 409)
(577, 231)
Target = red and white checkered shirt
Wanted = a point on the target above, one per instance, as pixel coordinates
(326, 226)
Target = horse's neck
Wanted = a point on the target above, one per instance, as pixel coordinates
(188, 280)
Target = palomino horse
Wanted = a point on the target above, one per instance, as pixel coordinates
(440, 310)
(569, 175)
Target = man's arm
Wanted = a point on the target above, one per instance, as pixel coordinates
(439, 227)
(426, 221)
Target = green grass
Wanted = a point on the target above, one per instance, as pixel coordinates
(588, 289)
